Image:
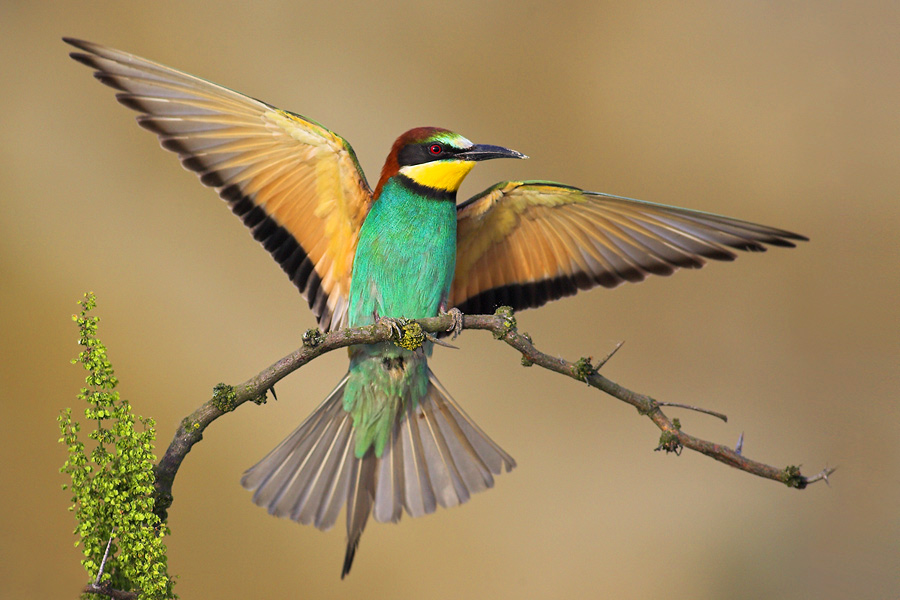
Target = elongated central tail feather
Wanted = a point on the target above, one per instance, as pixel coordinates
(437, 456)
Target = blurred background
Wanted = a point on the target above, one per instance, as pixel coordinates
(786, 114)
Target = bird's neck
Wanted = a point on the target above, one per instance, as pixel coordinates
(425, 192)
(435, 180)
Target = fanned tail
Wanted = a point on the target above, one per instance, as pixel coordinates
(437, 456)
(306, 477)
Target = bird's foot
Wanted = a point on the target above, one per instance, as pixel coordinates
(456, 323)
(409, 334)
(395, 324)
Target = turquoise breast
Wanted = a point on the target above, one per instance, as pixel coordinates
(405, 257)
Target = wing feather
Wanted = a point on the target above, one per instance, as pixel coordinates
(526, 243)
(296, 184)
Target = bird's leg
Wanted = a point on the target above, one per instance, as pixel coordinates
(456, 315)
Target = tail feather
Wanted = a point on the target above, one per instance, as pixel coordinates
(489, 452)
(390, 482)
(436, 456)
(469, 473)
(286, 479)
(336, 494)
(296, 498)
(447, 483)
(418, 495)
(359, 504)
(325, 478)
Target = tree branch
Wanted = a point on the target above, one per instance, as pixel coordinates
(503, 325)
(105, 590)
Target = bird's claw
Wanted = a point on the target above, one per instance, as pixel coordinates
(395, 324)
(456, 323)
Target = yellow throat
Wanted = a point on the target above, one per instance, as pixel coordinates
(445, 175)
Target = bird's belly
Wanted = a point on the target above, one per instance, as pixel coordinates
(411, 286)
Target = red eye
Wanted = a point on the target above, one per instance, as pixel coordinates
(435, 149)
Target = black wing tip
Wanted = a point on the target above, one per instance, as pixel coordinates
(78, 43)
(126, 98)
(785, 238)
(780, 239)
(88, 50)
(85, 59)
(90, 61)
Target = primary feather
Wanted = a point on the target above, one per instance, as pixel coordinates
(522, 244)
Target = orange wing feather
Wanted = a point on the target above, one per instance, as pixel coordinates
(294, 183)
(522, 244)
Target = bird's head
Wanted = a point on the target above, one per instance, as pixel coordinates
(436, 160)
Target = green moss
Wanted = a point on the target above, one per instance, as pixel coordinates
(527, 362)
(584, 369)
(792, 477)
(224, 397)
(188, 425)
(413, 335)
(668, 441)
(509, 321)
(312, 338)
(112, 485)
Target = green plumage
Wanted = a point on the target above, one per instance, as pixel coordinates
(403, 267)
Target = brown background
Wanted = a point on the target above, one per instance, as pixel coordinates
(782, 113)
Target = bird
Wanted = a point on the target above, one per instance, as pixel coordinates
(390, 439)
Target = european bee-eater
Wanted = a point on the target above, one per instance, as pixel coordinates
(389, 438)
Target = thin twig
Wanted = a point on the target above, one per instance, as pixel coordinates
(609, 356)
(503, 326)
(705, 411)
(822, 475)
(105, 556)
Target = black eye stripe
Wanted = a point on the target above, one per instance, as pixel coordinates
(416, 154)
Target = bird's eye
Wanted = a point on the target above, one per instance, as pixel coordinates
(435, 149)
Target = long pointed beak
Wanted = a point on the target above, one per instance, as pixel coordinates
(487, 152)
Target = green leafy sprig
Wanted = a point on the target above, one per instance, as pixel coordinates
(112, 483)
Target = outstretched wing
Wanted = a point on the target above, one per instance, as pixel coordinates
(524, 243)
(295, 184)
